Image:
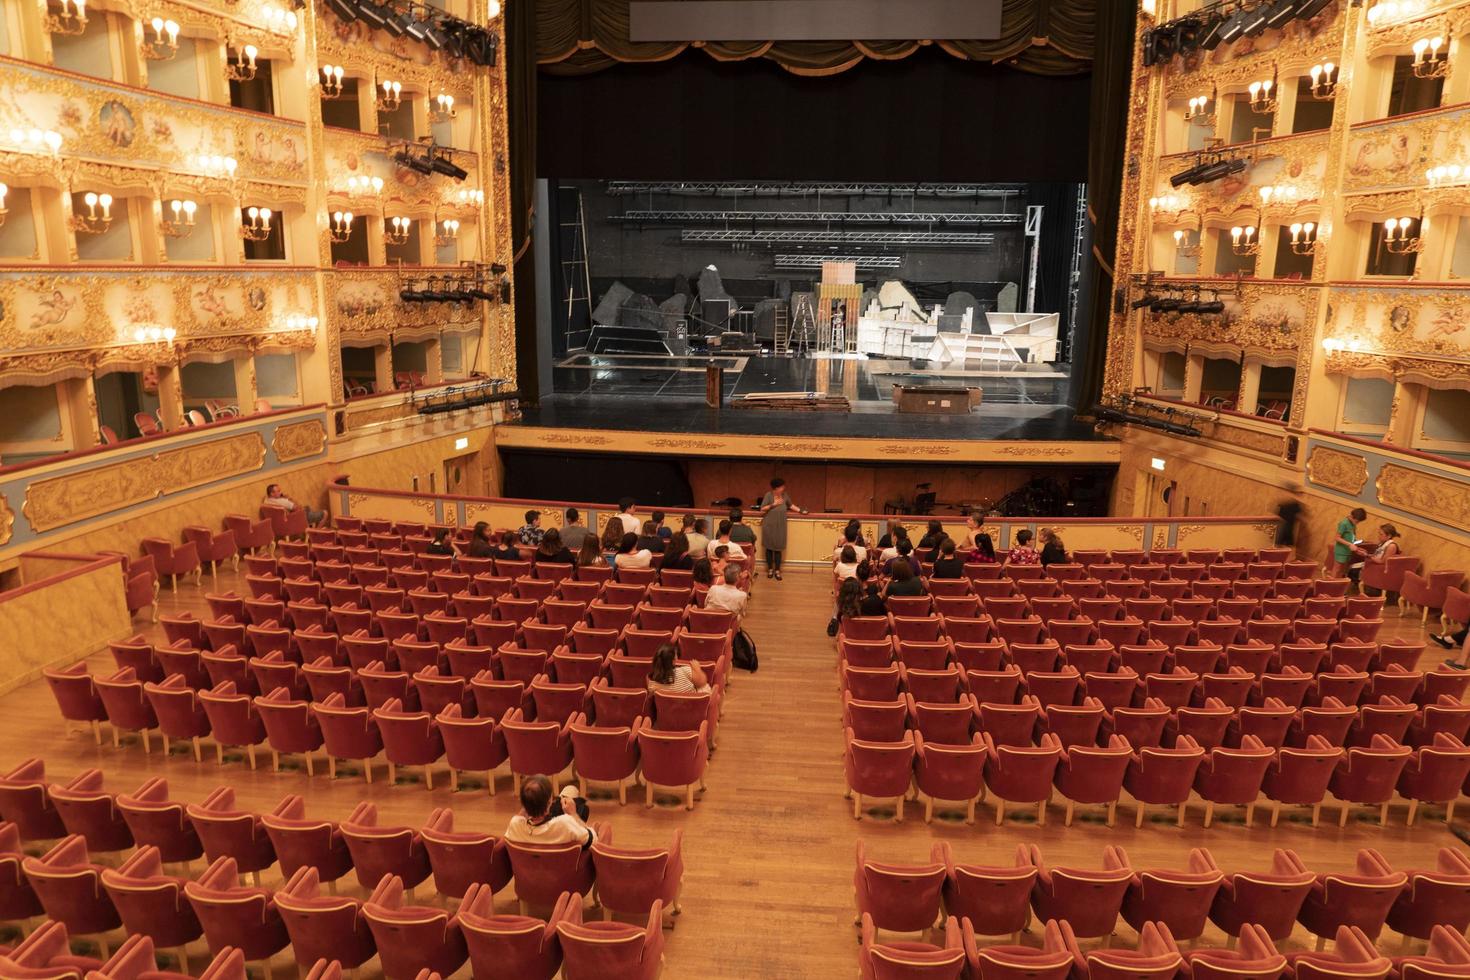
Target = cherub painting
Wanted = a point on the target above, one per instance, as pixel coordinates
(52, 309)
(117, 124)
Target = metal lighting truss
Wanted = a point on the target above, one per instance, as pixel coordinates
(815, 261)
(643, 217)
(801, 188)
(886, 239)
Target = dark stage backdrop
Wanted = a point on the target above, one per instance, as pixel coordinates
(595, 478)
(928, 117)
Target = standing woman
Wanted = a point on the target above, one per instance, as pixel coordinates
(773, 525)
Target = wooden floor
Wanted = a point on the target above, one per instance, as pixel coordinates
(769, 848)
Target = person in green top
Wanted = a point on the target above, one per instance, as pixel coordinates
(1345, 545)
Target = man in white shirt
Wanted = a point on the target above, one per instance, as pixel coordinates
(735, 551)
(545, 819)
(631, 524)
(276, 497)
(725, 595)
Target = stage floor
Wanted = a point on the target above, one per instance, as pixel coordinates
(667, 394)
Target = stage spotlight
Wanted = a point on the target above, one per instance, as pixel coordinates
(415, 163)
(417, 29)
(344, 9)
(1211, 306)
(1311, 8)
(480, 46)
(1255, 22)
(1230, 30)
(397, 25)
(1186, 176)
(1168, 304)
(435, 37)
(1189, 34)
(497, 269)
(1281, 12)
(480, 292)
(1147, 299)
(442, 164)
(1209, 37)
(1217, 170)
(373, 14)
(409, 295)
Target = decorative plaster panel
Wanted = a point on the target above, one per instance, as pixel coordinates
(1337, 470)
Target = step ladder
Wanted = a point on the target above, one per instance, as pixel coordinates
(783, 330)
(804, 326)
(576, 279)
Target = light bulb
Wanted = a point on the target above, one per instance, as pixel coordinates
(1255, 90)
(1391, 224)
(493, 8)
(90, 199)
(1420, 46)
(172, 28)
(1308, 227)
(250, 52)
(4, 189)
(1235, 232)
(265, 215)
(157, 25)
(1329, 68)
(140, 335)
(253, 212)
(190, 207)
(176, 207)
(1296, 228)
(169, 333)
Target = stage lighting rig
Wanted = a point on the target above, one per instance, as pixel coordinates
(1209, 165)
(431, 26)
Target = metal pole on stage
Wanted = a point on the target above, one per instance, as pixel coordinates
(1033, 234)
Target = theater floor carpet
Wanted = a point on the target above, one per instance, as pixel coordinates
(769, 847)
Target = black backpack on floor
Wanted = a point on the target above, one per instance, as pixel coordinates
(743, 655)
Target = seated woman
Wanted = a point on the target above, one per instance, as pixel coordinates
(649, 540)
(505, 548)
(550, 550)
(480, 545)
(905, 556)
(984, 552)
(543, 822)
(948, 564)
(1388, 546)
(591, 553)
(665, 675)
(1053, 551)
(704, 572)
(440, 545)
(630, 555)
(1023, 553)
(904, 581)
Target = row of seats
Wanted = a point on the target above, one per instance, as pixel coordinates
(1090, 774)
(1000, 899)
(1107, 606)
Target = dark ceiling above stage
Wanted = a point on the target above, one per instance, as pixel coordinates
(928, 117)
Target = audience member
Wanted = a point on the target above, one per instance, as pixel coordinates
(1023, 553)
(551, 551)
(590, 552)
(933, 536)
(703, 572)
(733, 550)
(541, 822)
(480, 545)
(1053, 551)
(984, 551)
(630, 523)
(740, 532)
(658, 522)
(1451, 641)
(440, 544)
(849, 603)
(677, 556)
(904, 582)
(612, 537)
(1388, 546)
(665, 675)
(948, 564)
(774, 507)
(530, 533)
(847, 564)
(573, 531)
(649, 538)
(852, 537)
(694, 530)
(726, 594)
(872, 603)
(718, 560)
(888, 544)
(630, 555)
(905, 556)
(276, 497)
(505, 549)
(1346, 542)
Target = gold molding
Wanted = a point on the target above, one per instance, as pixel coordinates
(1261, 442)
(1426, 495)
(299, 440)
(57, 501)
(1337, 470)
(7, 520)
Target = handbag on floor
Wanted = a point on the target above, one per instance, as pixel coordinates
(743, 652)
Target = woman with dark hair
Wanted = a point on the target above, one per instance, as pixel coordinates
(948, 564)
(440, 545)
(933, 536)
(1053, 551)
(1023, 553)
(550, 550)
(1388, 546)
(984, 553)
(591, 553)
(849, 603)
(650, 540)
(677, 555)
(630, 555)
(480, 546)
(612, 537)
(773, 510)
(505, 548)
(548, 819)
(664, 675)
(904, 581)
(704, 572)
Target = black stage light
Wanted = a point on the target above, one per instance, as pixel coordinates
(1150, 48)
(1147, 299)
(1218, 170)
(415, 163)
(344, 9)
(480, 292)
(1311, 8)
(408, 294)
(417, 29)
(1209, 36)
(446, 166)
(1166, 42)
(1188, 306)
(1281, 12)
(505, 290)
(454, 42)
(373, 14)
(480, 46)
(1212, 306)
(1186, 176)
(397, 25)
(1189, 34)
(435, 37)
(497, 269)
(1255, 21)
(1169, 304)
(1230, 30)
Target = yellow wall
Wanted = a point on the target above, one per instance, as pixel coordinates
(80, 613)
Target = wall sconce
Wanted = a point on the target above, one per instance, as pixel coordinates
(391, 96)
(446, 232)
(4, 190)
(154, 335)
(1186, 248)
(1304, 239)
(1263, 95)
(1201, 109)
(358, 184)
(242, 67)
(397, 230)
(1446, 174)
(1244, 241)
(182, 222)
(35, 140)
(1324, 81)
(300, 321)
(1428, 61)
(70, 17)
(164, 43)
(332, 81)
(468, 197)
(1168, 202)
(1400, 239)
(215, 165)
(279, 20)
(341, 228)
(95, 221)
(1280, 193)
(1389, 11)
(256, 225)
(1333, 345)
(443, 107)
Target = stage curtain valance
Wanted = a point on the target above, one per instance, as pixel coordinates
(1048, 37)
